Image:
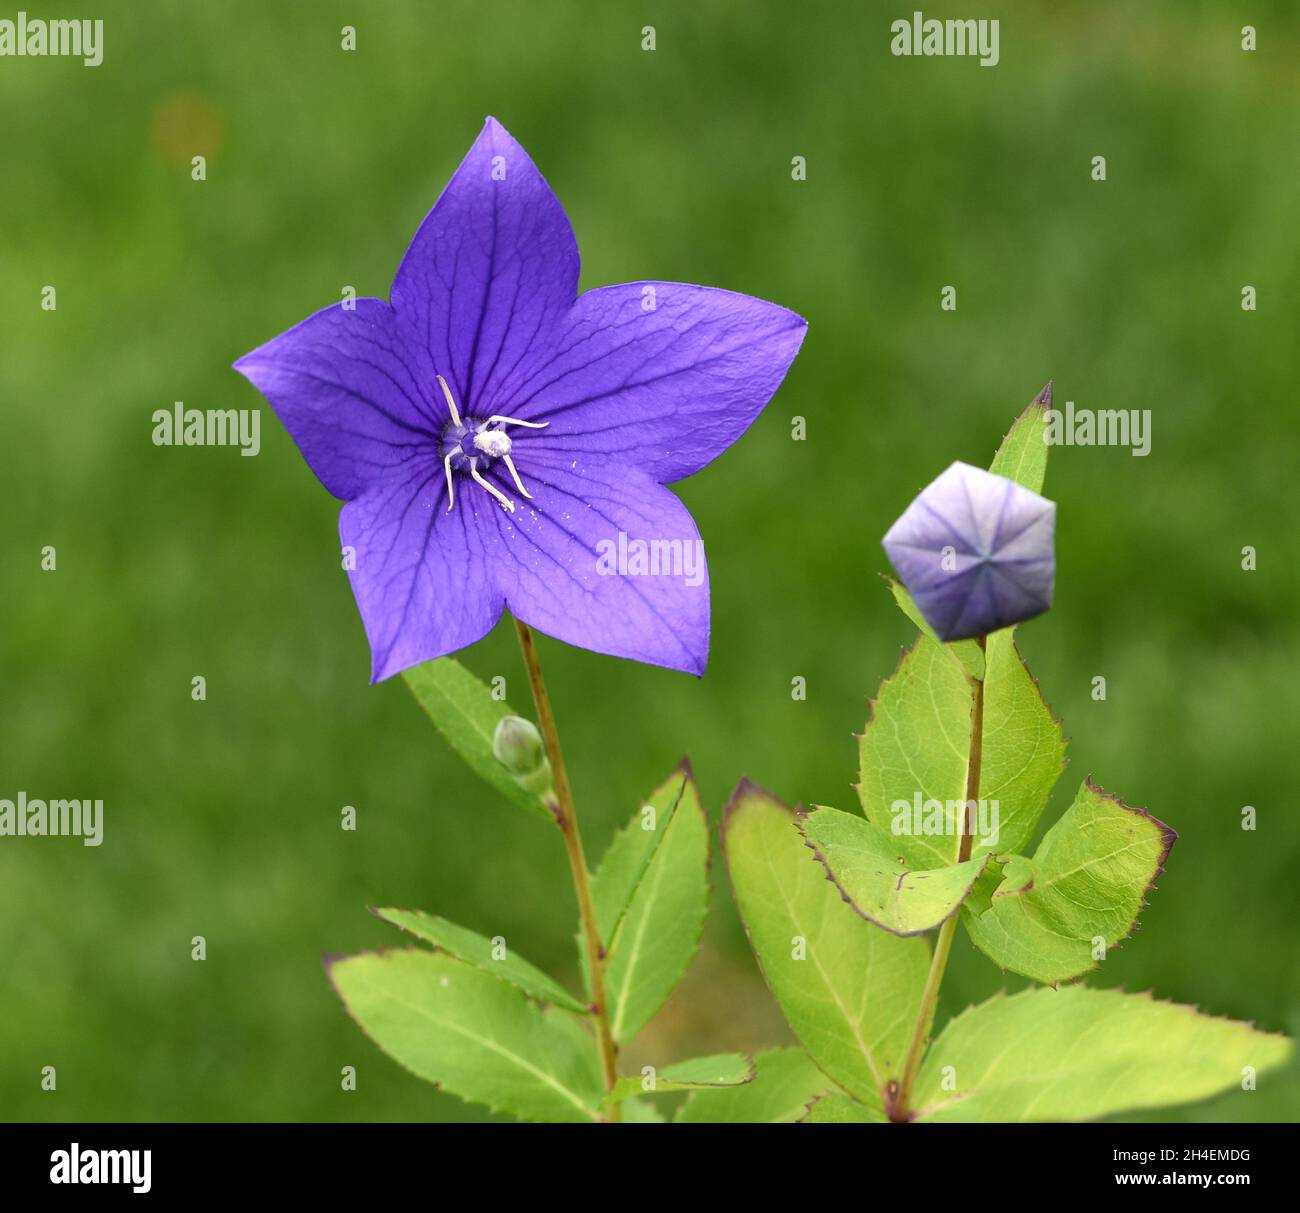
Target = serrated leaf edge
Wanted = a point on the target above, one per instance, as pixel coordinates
(1168, 835)
(708, 894)
(1042, 401)
(1149, 995)
(330, 959)
(687, 771)
(576, 1008)
(747, 787)
(801, 814)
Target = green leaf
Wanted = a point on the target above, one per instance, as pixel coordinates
(966, 653)
(840, 1110)
(849, 991)
(916, 741)
(720, 1070)
(475, 1036)
(918, 737)
(1024, 751)
(1087, 880)
(1022, 457)
(785, 1082)
(628, 857)
(1078, 1054)
(654, 942)
(869, 871)
(478, 950)
(467, 716)
(642, 1112)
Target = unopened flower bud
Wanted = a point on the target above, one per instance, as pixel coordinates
(518, 747)
(975, 551)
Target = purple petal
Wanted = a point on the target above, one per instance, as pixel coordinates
(557, 561)
(351, 392)
(976, 552)
(492, 269)
(661, 375)
(421, 579)
(637, 384)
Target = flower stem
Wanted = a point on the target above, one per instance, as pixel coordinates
(560, 802)
(898, 1106)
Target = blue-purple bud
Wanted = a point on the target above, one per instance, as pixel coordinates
(976, 552)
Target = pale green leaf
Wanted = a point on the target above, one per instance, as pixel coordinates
(1088, 880)
(840, 1110)
(466, 715)
(966, 653)
(642, 1112)
(1079, 1054)
(473, 1035)
(916, 743)
(657, 937)
(848, 990)
(479, 951)
(1022, 457)
(868, 869)
(915, 746)
(719, 1070)
(1024, 751)
(628, 857)
(785, 1082)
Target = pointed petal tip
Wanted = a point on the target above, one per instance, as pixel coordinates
(382, 668)
(495, 131)
(693, 664)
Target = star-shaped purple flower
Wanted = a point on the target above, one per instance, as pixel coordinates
(975, 551)
(502, 441)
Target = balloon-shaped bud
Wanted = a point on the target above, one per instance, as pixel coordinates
(976, 552)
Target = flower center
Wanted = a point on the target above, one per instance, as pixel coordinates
(473, 438)
(479, 441)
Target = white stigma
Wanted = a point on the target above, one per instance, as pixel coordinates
(495, 443)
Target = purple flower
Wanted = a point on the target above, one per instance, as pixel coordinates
(502, 441)
(976, 552)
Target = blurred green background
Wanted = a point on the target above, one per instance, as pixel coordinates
(222, 817)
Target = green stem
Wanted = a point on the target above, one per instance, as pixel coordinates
(560, 803)
(898, 1102)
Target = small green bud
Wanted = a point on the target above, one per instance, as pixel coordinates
(518, 747)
